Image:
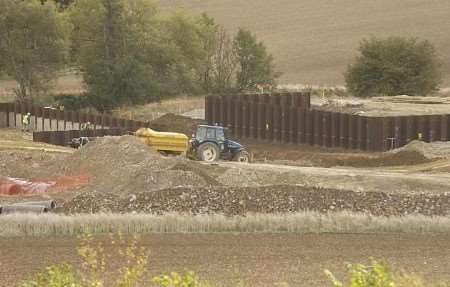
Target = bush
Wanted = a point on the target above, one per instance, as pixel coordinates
(393, 66)
(73, 102)
(93, 267)
(55, 276)
(176, 280)
(378, 275)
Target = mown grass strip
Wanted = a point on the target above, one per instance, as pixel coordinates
(300, 223)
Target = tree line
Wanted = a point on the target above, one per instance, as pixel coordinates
(129, 53)
(126, 51)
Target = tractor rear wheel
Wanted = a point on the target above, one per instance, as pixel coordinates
(242, 156)
(208, 152)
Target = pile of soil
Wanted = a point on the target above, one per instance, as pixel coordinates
(176, 123)
(29, 164)
(433, 150)
(403, 157)
(266, 199)
(124, 165)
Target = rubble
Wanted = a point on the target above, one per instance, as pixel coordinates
(266, 199)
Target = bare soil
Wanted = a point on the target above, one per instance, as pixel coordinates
(122, 174)
(384, 106)
(258, 259)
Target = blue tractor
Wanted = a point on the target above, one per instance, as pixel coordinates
(210, 144)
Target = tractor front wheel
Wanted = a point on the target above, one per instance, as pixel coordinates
(208, 152)
(242, 156)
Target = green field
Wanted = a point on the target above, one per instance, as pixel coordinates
(314, 40)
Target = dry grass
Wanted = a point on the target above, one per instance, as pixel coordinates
(308, 222)
(153, 111)
(314, 40)
(69, 83)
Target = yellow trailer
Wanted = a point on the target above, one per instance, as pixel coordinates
(165, 142)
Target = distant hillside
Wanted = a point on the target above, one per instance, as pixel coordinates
(314, 40)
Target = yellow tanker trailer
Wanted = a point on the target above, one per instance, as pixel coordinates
(164, 142)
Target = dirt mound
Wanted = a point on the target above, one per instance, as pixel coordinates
(433, 150)
(125, 165)
(176, 123)
(404, 157)
(267, 199)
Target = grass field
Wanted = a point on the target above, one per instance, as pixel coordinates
(314, 40)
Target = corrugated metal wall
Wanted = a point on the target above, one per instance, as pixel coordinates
(52, 119)
(288, 118)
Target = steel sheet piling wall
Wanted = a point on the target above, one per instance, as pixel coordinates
(334, 129)
(289, 118)
(444, 127)
(301, 132)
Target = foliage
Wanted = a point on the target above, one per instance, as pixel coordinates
(375, 275)
(186, 52)
(207, 31)
(93, 267)
(55, 276)
(111, 42)
(176, 280)
(255, 64)
(224, 62)
(126, 51)
(32, 46)
(393, 66)
(72, 102)
(378, 275)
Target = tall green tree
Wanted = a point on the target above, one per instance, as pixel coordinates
(393, 66)
(255, 64)
(32, 45)
(186, 53)
(208, 32)
(112, 42)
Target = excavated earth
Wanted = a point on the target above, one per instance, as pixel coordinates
(265, 199)
(122, 174)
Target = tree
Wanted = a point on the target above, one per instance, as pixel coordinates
(208, 32)
(224, 63)
(255, 64)
(186, 52)
(32, 46)
(112, 43)
(393, 66)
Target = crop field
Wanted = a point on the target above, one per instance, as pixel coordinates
(258, 259)
(313, 41)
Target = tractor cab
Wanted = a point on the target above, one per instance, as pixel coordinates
(209, 143)
(204, 132)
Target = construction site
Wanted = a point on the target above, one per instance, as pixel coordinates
(318, 165)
